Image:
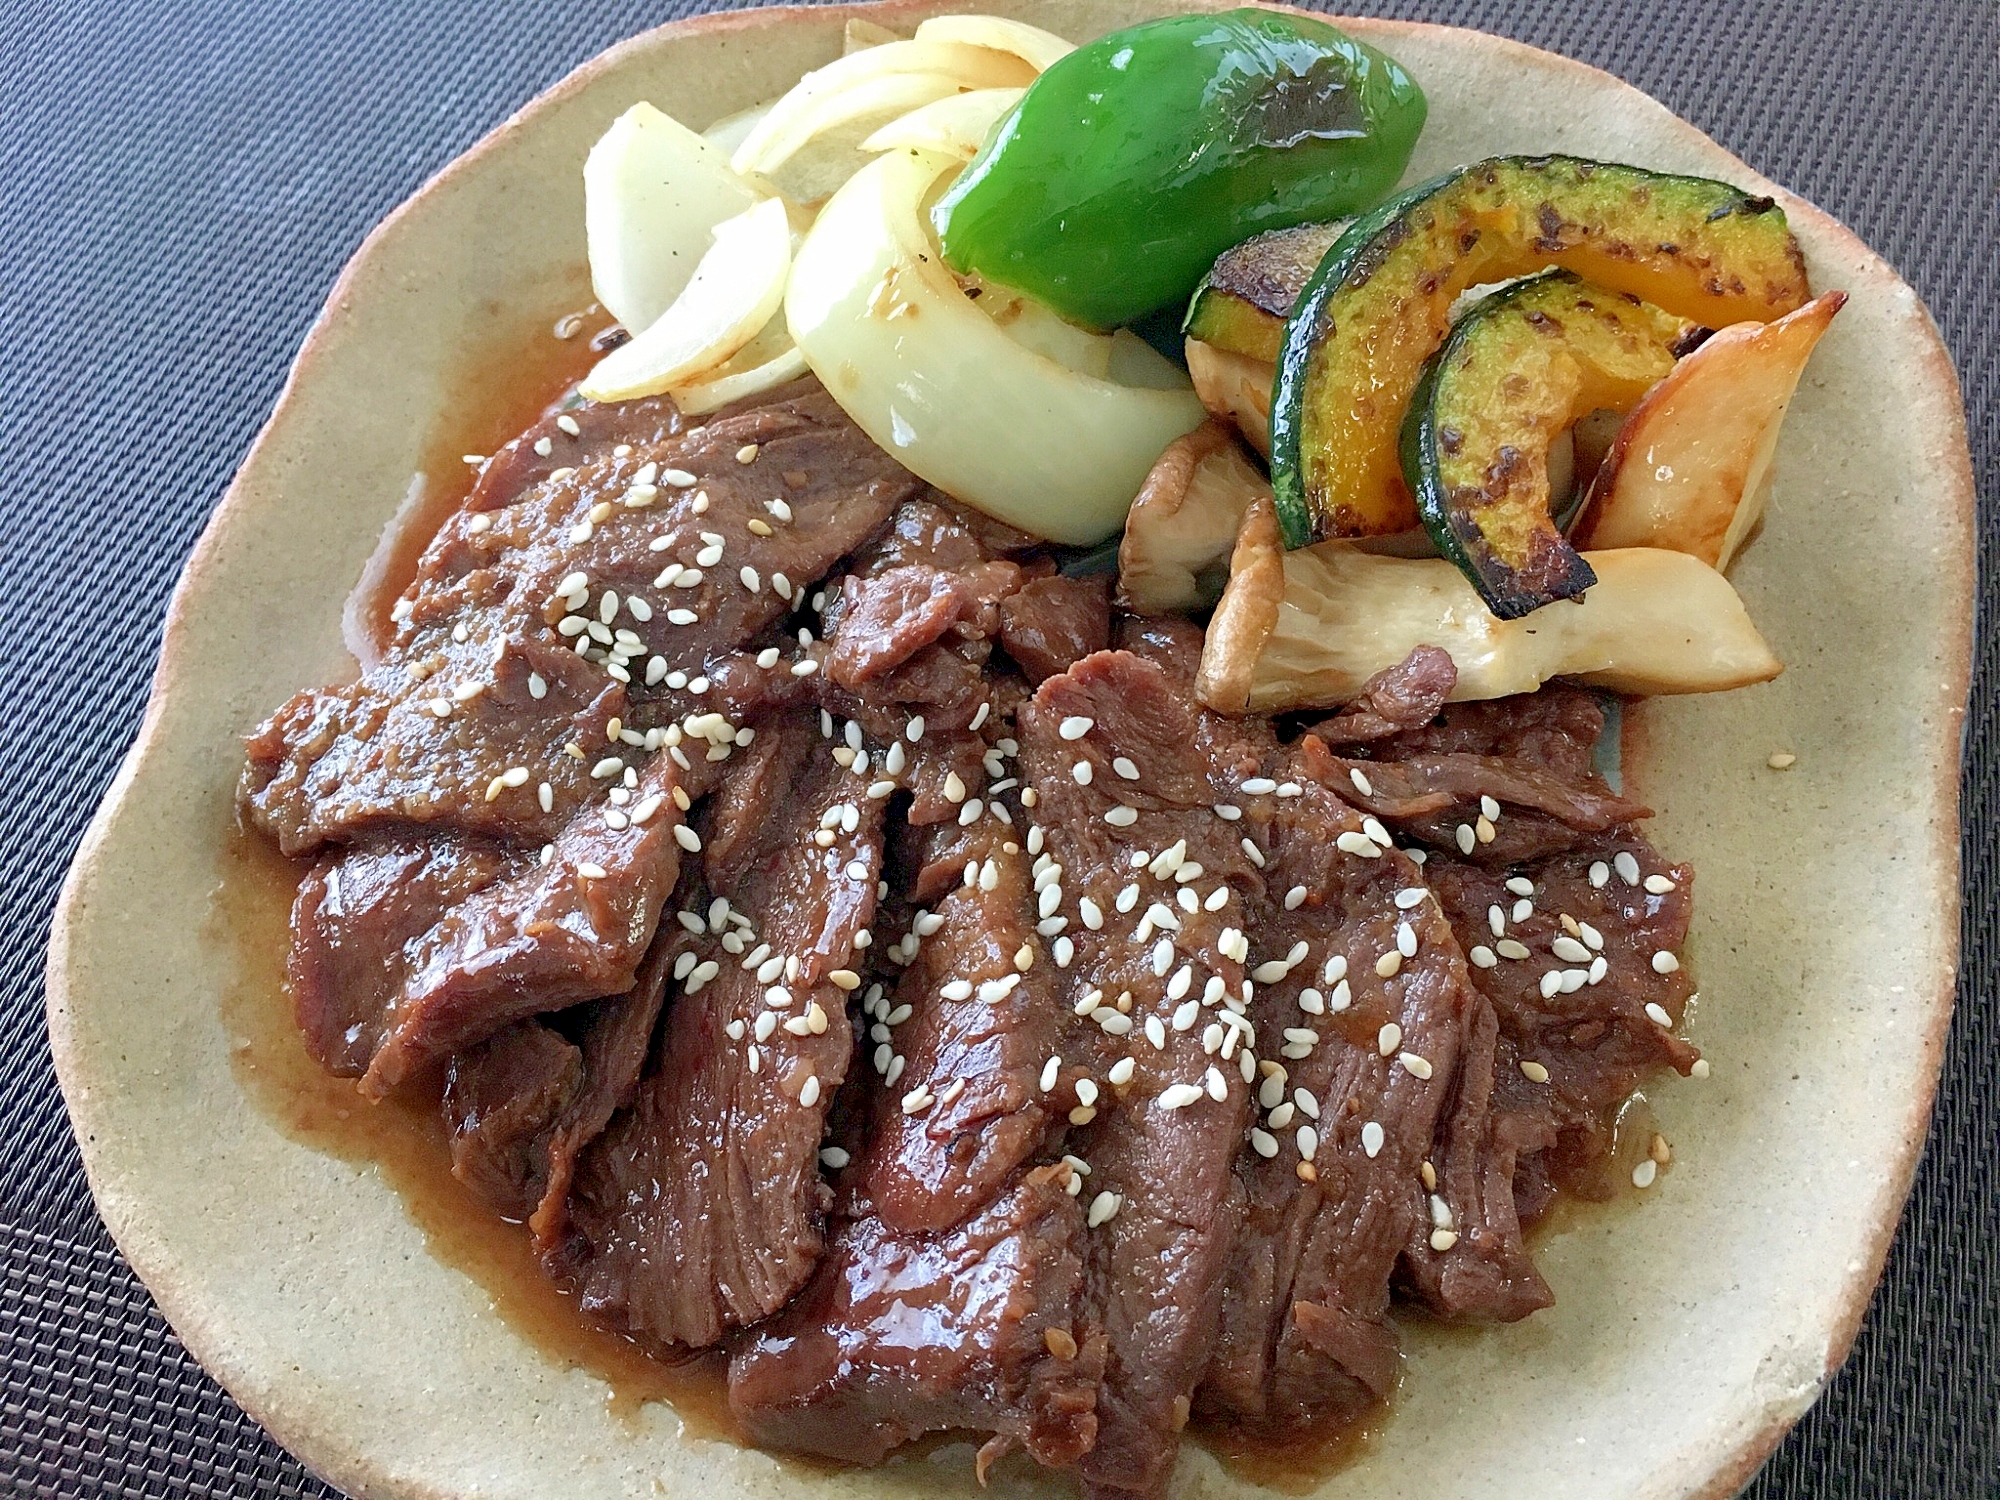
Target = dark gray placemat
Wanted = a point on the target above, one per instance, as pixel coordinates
(179, 185)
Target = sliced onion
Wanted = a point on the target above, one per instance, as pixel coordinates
(739, 284)
(1036, 326)
(767, 361)
(1031, 44)
(854, 87)
(653, 191)
(956, 125)
(727, 133)
(942, 387)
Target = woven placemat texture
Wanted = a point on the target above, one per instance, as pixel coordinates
(179, 184)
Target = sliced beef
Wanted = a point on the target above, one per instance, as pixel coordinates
(1366, 1042)
(1050, 624)
(637, 557)
(502, 1099)
(355, 925)
(1155, 983)
(573, 927)
(975, 1035)
(701, 1209)
(522, 1104)
(1395, 700)
(1530, 756)
(906, 1333)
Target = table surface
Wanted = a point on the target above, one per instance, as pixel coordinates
(180, 185)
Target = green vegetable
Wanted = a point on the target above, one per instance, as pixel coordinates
(1519, 368)
(1378, 305)
(1133, 162)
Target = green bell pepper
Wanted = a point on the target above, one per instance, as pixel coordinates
(1133, 162)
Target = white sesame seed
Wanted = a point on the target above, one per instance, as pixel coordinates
(1627, 866)
(1644, 1175)
(687, 838)
(1657, 1014)
(1103, 1208)
(1253, 853)
(1178, 1095)
(1308, 1142)
(1295, 898)
(1406, 940)
(1120, 817)
(1361, 782)
(1489, 809)
(1551, 984)
(1081, 771)
(1358, 844)
(1388, 1039)
(1217, 1085)
(1509, 948)
(1465, 837)
(1665, 962)
(1372, 1138)
(1570, 950)
(1415, 1066)
(1075, 727)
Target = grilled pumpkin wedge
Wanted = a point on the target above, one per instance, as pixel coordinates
(1378, 305)
(1519, 368)
(1243, 302)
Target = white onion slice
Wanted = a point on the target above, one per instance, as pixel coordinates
(652, 192)
(1036, 326)
(739, 284)
(941, 386)
(957, 125)
(854, 87)
(1031, 44)
(767, 361)
(727, 133)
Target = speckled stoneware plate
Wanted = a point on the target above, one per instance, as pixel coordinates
(1692, 1325)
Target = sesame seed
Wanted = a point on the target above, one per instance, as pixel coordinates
(1782, 760)
(681, 616)
(1659, 885)
(835, 1157)
(1358, 844)
(1466, 838)
(1120, 817)
(1415, 1066)
(1308, 1142)
(1081, 771)
(1388, 1039)
(687, 838)
(1178, 1095)
(1050, 1071)
(1644, 1175)
(1569, 949)
(805, 667)
(1075, 727)
(1389, 965)
(1361, 782)
(544, 447)
(1282, 1112)
(1657, 1014)
(1406, 940)
(917, 1100)
(809, 1091)
(1372, 1139)
(1551, 984)
(1253, 853)
(1103, 1208)
(568, 424)
(1627, 867)
(1295, 898)
(1489, 809)
(1509, 948)
(1665, 962)
(1229, 812)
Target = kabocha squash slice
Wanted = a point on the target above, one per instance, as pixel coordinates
(1378, 305)
(1244, 301)
(1519, 368)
